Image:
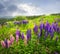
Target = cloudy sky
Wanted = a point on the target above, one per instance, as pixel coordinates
(28, 7)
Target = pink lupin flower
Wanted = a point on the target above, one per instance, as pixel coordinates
(25, 40)
(9, 43)
(12, 39)
(2, 43)
(5, 43)
(17, 38)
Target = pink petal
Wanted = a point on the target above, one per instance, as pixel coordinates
(12, 39)
(9, 43)
(17, 38)
(2, 43)
(25, 40)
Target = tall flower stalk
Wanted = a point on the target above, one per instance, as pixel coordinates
(25, 40)
(12, 39)
(35, 29)
(28, 34)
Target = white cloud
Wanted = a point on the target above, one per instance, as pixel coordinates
(15, 14)
(31, 10)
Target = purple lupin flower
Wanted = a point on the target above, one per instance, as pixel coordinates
(17, 22)
(24, 21)
(56, 23)
(51, 31)
(47, 26)
(46, 35)
(42, 26)
(54, 26)
(58, 30)
(18, 33)
(6, 43)
(35, 29)
(22, 36)
(28, 34)
(39, 35)
(41, 32)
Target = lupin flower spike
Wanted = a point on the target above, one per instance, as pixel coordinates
(35, 29)
(12, 39)
(25, 40)
(28, 34)
(3, 44)
(22, 36)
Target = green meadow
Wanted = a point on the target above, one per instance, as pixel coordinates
(47, 46)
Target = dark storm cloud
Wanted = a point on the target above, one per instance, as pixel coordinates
(8, 7)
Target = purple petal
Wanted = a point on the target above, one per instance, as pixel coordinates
(18, 33)
(35, 29)
(22, 36)
(6, 43)
(29, 34)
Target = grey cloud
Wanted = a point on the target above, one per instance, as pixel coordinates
(12, 8)
(1, 6)
(3, 12)
(7, 7)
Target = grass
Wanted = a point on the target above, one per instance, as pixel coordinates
(43, 47)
